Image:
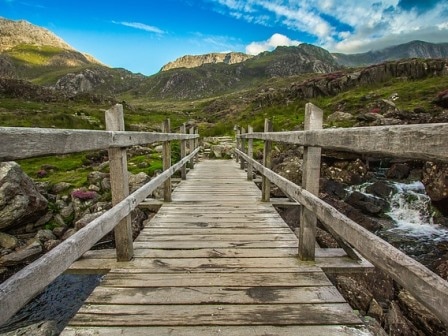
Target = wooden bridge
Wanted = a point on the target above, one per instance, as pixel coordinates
(217, 259)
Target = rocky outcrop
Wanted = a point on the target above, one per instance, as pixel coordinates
(20, 201)
(13, 33)
(193, 61)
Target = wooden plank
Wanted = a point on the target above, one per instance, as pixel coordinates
(166, 158)
(215, 295)
(417, 142)
(212, 231)
(180, 245)
(200, 315)
(230, 238)
(21, 142)
(267, 162)
(329, 330)
(248, 279)
(183, 152)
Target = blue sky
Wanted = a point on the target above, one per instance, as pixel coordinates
(142, 36)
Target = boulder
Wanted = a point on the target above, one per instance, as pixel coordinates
(367, 204)
(137, 180)
(398, 171)
(20, 201)
(22, 256)
(86, 219)
(420, 316)
(435, 179)
(44, 235)
(358, 296)
(397, 324)
(339, 116)
(381, 189)
(7, 241)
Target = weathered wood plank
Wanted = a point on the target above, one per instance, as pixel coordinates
(423, 141)
(215, 295)
(232, 238)
(200, 315)
(21, 143)
(125, 279)
(322, 330)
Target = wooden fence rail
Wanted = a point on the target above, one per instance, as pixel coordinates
(25, 284)
(416, 142)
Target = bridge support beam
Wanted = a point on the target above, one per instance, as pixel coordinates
(242, 148)
(183, 152)
(119, 181)
(250, 153)
(310, 182)
(167, 161)
(267, 162)
(192, 147)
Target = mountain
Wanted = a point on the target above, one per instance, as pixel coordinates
(413, 49)
(193, 61)
(213, 79)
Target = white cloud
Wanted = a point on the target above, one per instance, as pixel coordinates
(345, 25)
(141, 26)
(274, 41)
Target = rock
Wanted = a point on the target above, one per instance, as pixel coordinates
(435, 179)
(138, 180)
(398, 171)
(397, 324)
(105, 184)
(60, 187)
(333, 188)
(367, 204)
(442, 99)
(20, 201)
(43, 220)
(339, 116)
(357, 295)
(68, 234)
(375, 310)
(137, 219)
(44, 235)
(420, 316)
(221, 151)
(67, 211)
(59, 231)
(7, 241)
(59, 220)
(46, 328)
(96, 177)
(51, 244)
(381, 189)
(22, 256)
(348, 172)
(86, 220)
(93, 187)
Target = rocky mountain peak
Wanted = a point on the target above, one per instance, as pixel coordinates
(193, 61)
(14, 33)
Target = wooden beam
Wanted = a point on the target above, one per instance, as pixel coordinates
(31, 280)
(192, 146)
(418, 142)
(119, 181)
(21, 142)
(267, 162)
(242, 148)
(430, 289)
(183, 152)
(166, 161)
(310, 181)
(250, 153)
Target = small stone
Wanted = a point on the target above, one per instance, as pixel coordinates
(44, 220)
(59, 220)
(51, 244)
(68, 234)
(59, 231)
(7, 241)
(22, 256)
(67, 211)
(60, 187)
(375, 310)
(86, 220)
(93, 187)
(44, 235)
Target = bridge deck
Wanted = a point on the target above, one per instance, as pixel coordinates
(215, 261)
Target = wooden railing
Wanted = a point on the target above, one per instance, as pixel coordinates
(20, 143)
(425, 142)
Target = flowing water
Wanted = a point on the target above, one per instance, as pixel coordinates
(412, 227)
(58, 302)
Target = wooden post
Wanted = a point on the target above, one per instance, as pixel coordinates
(237, 145)
(192, 143)
(242, 148)
(267, 162)
(183, 152)
(167, 161)
(310, 182)
(119, 181)
(196, 143)
(250, 153)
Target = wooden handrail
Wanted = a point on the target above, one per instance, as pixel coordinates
(48, 141)
(25, 284)
(418, 142)
(430, 289)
